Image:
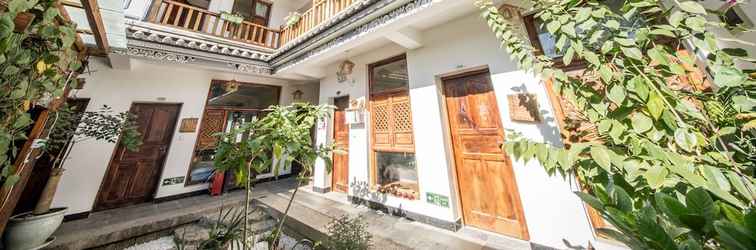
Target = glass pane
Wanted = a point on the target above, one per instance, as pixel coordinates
(242, 96)
(548, 41)
(390, 76)
(397, 174)
(243, 7)
(261, 10)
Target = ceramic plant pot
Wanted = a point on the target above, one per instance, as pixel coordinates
(27, 231)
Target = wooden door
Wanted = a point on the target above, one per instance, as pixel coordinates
(487, 188)
(132, 177)
(340, 175)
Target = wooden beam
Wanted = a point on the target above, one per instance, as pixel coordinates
(95, 24)
(78, 43)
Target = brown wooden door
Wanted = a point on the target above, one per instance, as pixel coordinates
(133, 177)
(488, 192)
(340, 178)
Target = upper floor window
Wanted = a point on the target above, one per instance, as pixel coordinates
(257, 11)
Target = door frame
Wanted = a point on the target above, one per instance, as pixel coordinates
(96, 206)
(333, 140)
(449, 146)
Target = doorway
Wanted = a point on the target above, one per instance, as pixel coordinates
(340, 174)
(133, 177)
(486, 182)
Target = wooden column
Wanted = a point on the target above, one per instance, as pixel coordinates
(95, 24)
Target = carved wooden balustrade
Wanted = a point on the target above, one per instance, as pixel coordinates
(195, 19)
(321, 11)
(184, 16)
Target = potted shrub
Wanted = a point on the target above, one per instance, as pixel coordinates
(32, 230)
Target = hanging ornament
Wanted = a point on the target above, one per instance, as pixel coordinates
(345, 70)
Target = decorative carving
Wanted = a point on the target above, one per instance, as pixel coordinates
(249, 68)
(156, 55)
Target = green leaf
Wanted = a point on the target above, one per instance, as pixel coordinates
(553, 26)
(733, 236)
(633, 52)
(699, 201)
(655, 176)
(715, 176)
(696, 23)
(641, 123)
(591, 58)
(743, 103)
(601, 156)
(590, 200)
(655, 105)
(692, 7)
(6, 26)
(11, 180)
(729, 77)
(617, 94)
(685, 139)
(582, 14)
(676, 18)
(17, 6)
(737, 182)
(607, 46)
(567, 58)
(606, 73)
(612, 24)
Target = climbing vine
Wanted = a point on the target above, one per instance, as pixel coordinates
(672, 160)
(37, 62)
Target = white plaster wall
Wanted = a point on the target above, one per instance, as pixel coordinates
(552, 211)
(145, 82)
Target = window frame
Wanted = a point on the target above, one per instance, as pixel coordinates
(404, 91)
(529, 21)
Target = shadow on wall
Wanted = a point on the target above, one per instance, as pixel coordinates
(548, 127)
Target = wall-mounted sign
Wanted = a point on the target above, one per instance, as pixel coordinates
(173, 180)
(437, 199)
(523, 108)
(188, 125)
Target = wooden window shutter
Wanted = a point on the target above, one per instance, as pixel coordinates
(392, 122)
(213, 122)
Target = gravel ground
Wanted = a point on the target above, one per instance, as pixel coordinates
(166, 243)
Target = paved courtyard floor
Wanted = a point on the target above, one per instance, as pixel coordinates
(309, 215)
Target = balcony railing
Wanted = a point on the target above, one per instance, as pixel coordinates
(191, 18)
(187, 17)
(320, 11)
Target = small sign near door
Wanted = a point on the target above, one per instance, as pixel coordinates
(437, 199)
(523, 108)
(173, 180)
(188, 125)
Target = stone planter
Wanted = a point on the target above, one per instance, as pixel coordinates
(26, 231)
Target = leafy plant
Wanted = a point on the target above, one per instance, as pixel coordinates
(276, 140)
(346, 233)
(36, 63)
(673, 160)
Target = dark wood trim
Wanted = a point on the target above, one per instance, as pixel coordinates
(92, 10)
(76, 216)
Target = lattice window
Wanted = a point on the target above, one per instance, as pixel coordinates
(402, 116)
(212, 123)
(382, 118)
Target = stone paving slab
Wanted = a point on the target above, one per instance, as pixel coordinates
(309, 215)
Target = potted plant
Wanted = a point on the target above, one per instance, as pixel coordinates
(292, 19)
(68, 127)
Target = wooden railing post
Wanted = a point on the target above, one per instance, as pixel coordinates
(154, 9)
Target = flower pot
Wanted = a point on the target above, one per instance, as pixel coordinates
(27, 231)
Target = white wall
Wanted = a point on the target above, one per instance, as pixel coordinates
(552, 211)
(145, 82)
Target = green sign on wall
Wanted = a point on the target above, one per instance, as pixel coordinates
(437, 199)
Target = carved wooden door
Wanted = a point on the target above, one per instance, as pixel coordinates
(132, 177)
(487, 187)
(340, 177)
